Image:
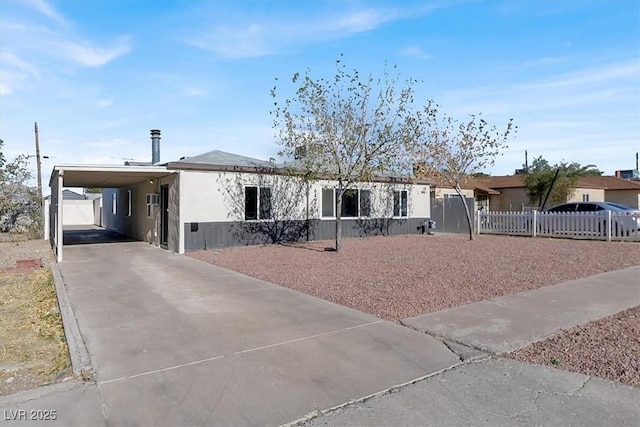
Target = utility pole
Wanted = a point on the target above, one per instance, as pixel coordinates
(39, 166)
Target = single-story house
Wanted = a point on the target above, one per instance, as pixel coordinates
(471, 188)
(220, 199)
(513, 195)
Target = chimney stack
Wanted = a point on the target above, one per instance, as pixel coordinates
(155, 146)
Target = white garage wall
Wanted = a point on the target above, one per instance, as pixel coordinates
(77, 212)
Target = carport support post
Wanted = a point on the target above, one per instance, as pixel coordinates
(608, 226)
(59, 236)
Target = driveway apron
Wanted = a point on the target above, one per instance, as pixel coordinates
(176, 341)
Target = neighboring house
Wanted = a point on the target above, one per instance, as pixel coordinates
(220, 199)
(72, 195)
(471, 188)
(616, 190)
(513, 194)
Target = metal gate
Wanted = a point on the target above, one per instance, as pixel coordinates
(450, 216)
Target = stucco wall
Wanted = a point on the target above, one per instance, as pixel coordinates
(594, 194)
(139, 225)
(509, 199)
(440, 192)
(212, 210)
(624, 197)
(219, 197)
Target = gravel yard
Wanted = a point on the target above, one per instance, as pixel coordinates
(15, 247)
(395, 277)
(607, 348)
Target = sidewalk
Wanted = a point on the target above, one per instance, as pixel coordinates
(510, 322)
(487, 390)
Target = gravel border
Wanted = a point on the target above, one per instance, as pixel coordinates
(607, 348)
(396, 277)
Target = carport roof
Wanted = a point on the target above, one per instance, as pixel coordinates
(106, 176)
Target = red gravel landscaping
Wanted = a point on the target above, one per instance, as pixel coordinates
(607, 348)
(395, 277)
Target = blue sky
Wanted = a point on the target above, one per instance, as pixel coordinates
(97, 75)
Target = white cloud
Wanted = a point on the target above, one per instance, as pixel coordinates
(46, 9)
(83, 53)
(33, 51)
(102, 103)
(590, 76)
(250, 40)
(5, 89)
(415, 51)
(195, 91)
(14, 72)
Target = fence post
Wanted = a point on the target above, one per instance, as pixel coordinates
(478, 220)
(535, 223)
(608, 226)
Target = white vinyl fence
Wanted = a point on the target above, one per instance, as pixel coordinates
(605, 225)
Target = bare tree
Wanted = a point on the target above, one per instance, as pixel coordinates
(452, 150)
(274, 207)
(348, 128)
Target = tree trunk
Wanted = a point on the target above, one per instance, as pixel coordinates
(338, 222)
(466, 211)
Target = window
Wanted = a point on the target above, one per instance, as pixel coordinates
(355, 203)
(328, 207)
(257, 203)
(400, 203)
(585, 197)
(350, 204)
(365, 203)
(114, 202)
(128, 202)
(152, 200)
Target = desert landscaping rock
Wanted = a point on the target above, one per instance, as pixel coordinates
(403, 276)
(607, 348)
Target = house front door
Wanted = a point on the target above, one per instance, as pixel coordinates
(164, 216)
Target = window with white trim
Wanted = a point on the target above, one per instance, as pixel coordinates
(400, 203)
(257, 203)
(585, 197)
(355, 203)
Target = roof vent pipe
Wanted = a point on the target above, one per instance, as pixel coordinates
(155, 146)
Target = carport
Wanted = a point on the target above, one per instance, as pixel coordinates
(152, 179)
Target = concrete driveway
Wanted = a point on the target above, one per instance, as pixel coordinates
(176, 341)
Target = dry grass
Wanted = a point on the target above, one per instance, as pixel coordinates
(33, 350)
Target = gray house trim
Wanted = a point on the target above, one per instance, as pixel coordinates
(206, 235)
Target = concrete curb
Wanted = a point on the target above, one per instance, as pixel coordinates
(80, 360)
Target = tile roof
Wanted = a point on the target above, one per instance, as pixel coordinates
(600, 182)
(469, 184)
(608, 183)
(510, 181)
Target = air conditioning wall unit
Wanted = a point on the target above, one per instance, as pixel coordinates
(153, 199)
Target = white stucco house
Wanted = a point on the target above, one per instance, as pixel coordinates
(219, 199)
